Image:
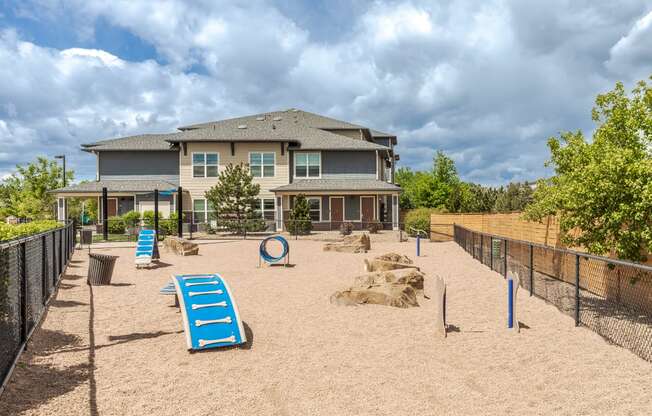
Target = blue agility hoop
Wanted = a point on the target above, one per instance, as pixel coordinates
(268, 258)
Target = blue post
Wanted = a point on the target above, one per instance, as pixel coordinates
(510, 303)
(418, 245)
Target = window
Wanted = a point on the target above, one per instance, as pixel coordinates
(307, 165)
(315, 209)
(266, 208)
(204, 165)
(202, 211)
(261, 165)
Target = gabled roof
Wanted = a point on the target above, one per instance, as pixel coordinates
(117, 186)
(138, 142)
(355, 185)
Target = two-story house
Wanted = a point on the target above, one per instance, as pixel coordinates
(345, 170)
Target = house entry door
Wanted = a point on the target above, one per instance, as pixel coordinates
(337, 211)
(367, 209)
(112, 208)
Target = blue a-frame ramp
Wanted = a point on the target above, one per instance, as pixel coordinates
(210, 315)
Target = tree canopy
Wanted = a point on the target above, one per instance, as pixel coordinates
(602, 189)
(25, 194)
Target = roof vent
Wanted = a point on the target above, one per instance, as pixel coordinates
(242, 126)
(277, 118)
(260, 118)
(273, 126)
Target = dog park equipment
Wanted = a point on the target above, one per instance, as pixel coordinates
(145, 247)
(439, 296)
(263, 254)
(513, 283)
(210, 314)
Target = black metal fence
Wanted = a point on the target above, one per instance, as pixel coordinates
(609, 296)
(30, 270)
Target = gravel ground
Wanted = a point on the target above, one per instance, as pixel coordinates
(119, 350)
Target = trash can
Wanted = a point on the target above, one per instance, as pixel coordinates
(86, 237)
(100, 268)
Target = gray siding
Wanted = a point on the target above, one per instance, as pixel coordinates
(348, 165)
(139, 165)
(125, 204)
(352, 208)
(325, 208)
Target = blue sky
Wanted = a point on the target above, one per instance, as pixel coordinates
(487, 82)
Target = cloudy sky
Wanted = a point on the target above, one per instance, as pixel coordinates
(486, 81)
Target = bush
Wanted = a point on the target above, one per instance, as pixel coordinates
(148, 218)
(374, 226)
(117, 225)
(299, 222)
(346, 228)
(131, 218)
(168, 226)
(11, 231)
(418, 219)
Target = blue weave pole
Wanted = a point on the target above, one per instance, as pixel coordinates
(264, 254)
(510, 303)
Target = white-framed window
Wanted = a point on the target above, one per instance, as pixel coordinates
(307, 165)
(262, 164)
(204, 165)
(266, 207)
(315, 208)
(202, 211)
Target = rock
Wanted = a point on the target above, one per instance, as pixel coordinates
(180, 246)
(395, 257)
(359, 243)
(397, 295)
(410, 277)
(376, 265)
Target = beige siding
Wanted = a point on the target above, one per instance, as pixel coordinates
(196, 187)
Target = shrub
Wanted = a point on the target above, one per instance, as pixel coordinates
(299, 222)
(168, 226)
(131, 218)
(148, 218)
(346, 228)
(11, 231)
(374, 226)
(418, 219)
(116, 225)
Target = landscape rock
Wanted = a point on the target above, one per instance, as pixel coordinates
(395, 257)
(180, 246)
(410, 277)
(395, 294)
(376, 265)
(359, 243)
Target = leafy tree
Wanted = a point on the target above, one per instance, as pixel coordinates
(404, 177)
(515, 197)
(24, 194)
(300, 222)
(602, 189)
(234, 197)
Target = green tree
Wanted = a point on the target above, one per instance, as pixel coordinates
(25, 194)
(300, 222)
(234, 197)
(405, 177)
(602, 189)
(515, 197)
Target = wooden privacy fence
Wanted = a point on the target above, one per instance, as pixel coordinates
(505, 225)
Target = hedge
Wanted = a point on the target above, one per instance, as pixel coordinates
(11, 231)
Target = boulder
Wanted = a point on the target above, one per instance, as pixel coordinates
(359, 243)
(397, 295)
(180, 246)
(376, 265)
(410, 277)
(395, 257)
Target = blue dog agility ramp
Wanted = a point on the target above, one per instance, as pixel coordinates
(145, 247)
(210, 315)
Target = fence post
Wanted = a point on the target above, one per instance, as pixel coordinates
(44, 270)
(491, 252)
(505, 259)
(54, 258)
(23, 292)
(481, 251)
(577, 290)
(105, 213)
(60, 251)
(531, 270)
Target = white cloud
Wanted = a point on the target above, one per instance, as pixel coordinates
(487, 82)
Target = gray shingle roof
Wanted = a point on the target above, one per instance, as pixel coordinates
(117, 186)
(305, 185)
(138, 142)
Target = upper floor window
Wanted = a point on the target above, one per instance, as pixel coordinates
(307, 165)
(261, 165)
(204, 165)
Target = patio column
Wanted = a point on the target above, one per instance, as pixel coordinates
(61, 209)
(395, 213)
(279, 213)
